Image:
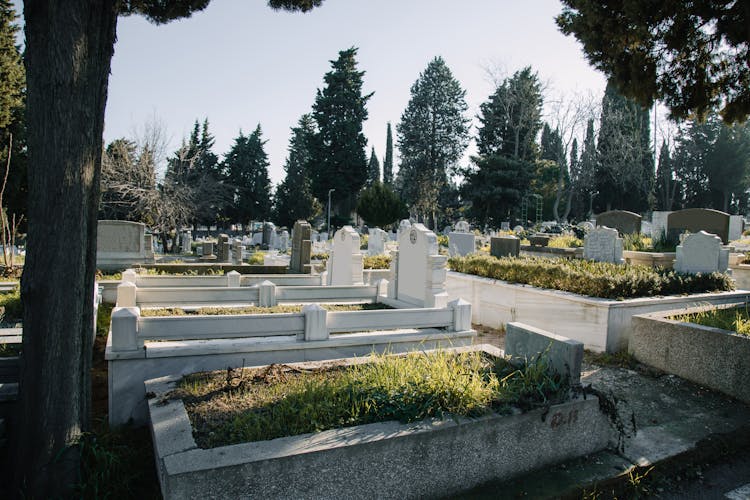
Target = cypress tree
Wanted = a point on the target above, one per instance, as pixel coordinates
(340, 160)
(373, 169)
(388, 161)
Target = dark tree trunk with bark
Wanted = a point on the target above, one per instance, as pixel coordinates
(69, 47)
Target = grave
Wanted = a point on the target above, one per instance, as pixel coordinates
(376, 241)
(505, 226)
(541, 240)
(518, 229)
(208, 251)
(268, 230)
(460, 244)
(701, 253)
(693, 220)
(223, 248)
(603, 245)
(417, 274)
(237, 250)
(186, 242)
(659, 224)
(462, 227)
(625, 222)
(505, 246)
(301, 247)
(284, 241)
(736, 226)
(404, 225)
(586, 226)
(121, 244)
(344, 264)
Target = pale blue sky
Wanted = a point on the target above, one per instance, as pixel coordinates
(239, 63)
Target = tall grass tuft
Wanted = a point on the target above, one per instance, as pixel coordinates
(734, 319)
(281, 402)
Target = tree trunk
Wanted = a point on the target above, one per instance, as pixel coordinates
(69, 46)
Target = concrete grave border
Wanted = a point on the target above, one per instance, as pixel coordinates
(708, 356)
(421, 459)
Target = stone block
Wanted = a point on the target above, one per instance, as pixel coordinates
(460, 244)
(701, 253)
(505, 246)
(603, 245)
(692, 220)
(524, 342)
(625, 222)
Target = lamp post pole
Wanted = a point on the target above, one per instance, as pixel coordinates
(328, 227)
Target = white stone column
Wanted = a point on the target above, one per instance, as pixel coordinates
(315, 322)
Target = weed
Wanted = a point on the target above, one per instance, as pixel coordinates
(280, 400)
(279, 309)
(103, 319)
(377, 261)
(256, 258)
(565, 241)
(735, 319)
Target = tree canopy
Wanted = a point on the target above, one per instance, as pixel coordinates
(693, 56)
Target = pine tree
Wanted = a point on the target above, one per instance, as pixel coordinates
(379, 206)
(433, 134)
(388, 161)
(246, 165)
(340, 160)
(586, 181)
(625, 167)
(373, 169)
(294, 198)
(666, 183)
(512, 117)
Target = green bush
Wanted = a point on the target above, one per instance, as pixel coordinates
(256, 258)
(443, 240)
(377, 261)
(585, 277)
(11, 308)
(565, 241)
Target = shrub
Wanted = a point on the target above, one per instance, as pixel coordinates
(256, 258)
(636, 242)
(379, 206)
(11, 308)
(443, 240)
(377, 261)
(565, 241)
(585, 277)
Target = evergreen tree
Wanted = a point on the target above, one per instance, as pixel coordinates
(207, 161)
(729, 167)
(246, 165)
(379, 206)
(556, 175)
(512, 117)
(12, 108)
(339, 160)
(625, 167)
(373, 169)
(388, 161)
(433, 134)
(495, 188)
(586, 172)
(294, 198)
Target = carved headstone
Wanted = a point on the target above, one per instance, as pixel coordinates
(625, 222)
(701, 253)
(376, 241)
(602, 244)
(120, 244)
(462, 227)
(736, 226)
(223, 250)
(692, 220)
(344, 264)
(208, 251)
(461, 243)
(417, 269)
(505, 246)
(301, 247)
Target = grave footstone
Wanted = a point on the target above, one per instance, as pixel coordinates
(602, 244)
(701, 252)
(505, 246)
(344, 264)
(301, 247)
(625, 222)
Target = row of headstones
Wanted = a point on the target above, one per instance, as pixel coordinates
(672, 224)
(417, 273)
(699, 252)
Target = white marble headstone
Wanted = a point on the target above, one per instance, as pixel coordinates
(376, 241)
(460, 244)
(701, 253)
(462, 227)
(403, 225)
(344, 264)
(735, 227)
(659, 224)
(602, 244)
(417, 270)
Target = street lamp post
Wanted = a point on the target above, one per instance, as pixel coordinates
(328, 228)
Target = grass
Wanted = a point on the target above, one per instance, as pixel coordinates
(11, 308)
(103, 319)
(101, 276)
(220, 311)
(250, 405)
(736, 319)
(256, 258)
(594, 279)
(640, 243)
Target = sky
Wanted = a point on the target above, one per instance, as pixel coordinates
(238, 63)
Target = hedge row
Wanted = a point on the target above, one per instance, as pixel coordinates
(594, 279)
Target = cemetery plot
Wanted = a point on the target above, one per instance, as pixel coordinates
(423, 458)
(706, 345)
